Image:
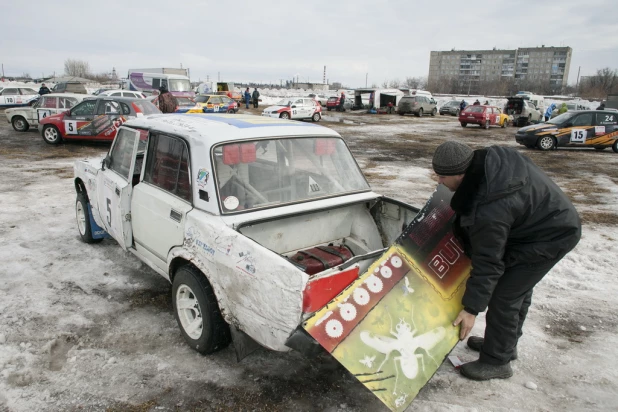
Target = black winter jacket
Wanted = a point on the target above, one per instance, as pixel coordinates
(509, 213)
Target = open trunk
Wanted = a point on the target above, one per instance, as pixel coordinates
(514, 107)
(365, 229)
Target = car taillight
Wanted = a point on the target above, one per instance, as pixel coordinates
(321, 291)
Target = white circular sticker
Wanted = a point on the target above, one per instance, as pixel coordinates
(231, 202)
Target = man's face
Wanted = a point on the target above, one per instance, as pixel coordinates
(451, 182)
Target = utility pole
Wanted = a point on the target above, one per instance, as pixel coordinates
(218, 76)
(366, 76)
(577, 82)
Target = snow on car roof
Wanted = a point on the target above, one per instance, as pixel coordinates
(215, 128)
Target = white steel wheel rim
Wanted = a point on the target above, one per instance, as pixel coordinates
(20, 123)
(80, 213)
(50, 134)
(189, 313)
(546, 142)
(316, 116)
(285, 116)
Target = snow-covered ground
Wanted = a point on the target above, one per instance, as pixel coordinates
(88, 327)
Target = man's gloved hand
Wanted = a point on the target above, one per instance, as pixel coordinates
(467, 323)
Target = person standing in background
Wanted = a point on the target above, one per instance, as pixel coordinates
(44, 90)
(247, 97)
(255, 96)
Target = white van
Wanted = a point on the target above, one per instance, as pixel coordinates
(535, 99)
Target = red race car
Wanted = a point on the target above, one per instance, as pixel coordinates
(94, 119)
(482, 115)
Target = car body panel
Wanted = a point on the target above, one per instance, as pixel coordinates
(480, 114)
(297, 108)
(582, 128)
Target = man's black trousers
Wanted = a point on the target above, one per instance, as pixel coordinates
(507, 310)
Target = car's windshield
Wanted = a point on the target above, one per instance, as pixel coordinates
(562, 118)
(284, 102)
(179, 85)
(184, 101)
(202, 99)
(452, 103)
(146, 107)
(269, 173)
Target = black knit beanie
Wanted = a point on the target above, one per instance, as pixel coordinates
(452, 158)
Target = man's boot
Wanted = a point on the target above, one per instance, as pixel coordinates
(479, 371)
(476, 343)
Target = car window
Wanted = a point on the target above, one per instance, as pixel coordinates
(118, 94)
(269, 173)
(109, 107)
(10, 92)
(49, 102)
(606, 118)
(85, 108)
(67, 102)
(167, 165)
(489, 110)
(498, 111)
(121, 153)
(125, 108)
(298, 101)
(474, 109)
(584, 119)
(26, 90)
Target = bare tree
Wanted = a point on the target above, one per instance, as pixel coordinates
(600, 85)
(79, 68)
(417, 82)
(385, 84)
(394, 84)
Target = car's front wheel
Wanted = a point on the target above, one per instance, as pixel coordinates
(486, 124)
(420, 112)
(463, 124)
(51, 134)
(197, 312)
(83, 220)
(316, 117)
(504, 123)
(285, 115)
(433, 112)
(546, 143)
(20, 124)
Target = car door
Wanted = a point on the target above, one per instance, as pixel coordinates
(79, 120)
(605, 129)
(308, 107)
(296, 111)
(108, 116)
(581, 129)
(114, 188)
(162, 199)
(8, 97)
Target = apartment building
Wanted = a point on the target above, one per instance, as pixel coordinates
(547, 66)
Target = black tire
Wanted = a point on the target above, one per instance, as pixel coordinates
(51, 134)
(457, 113)
(615, 146)
(231, 111)
(215, 333)
(402, 113)
(529, 122)
(486, 124)
(329, 109)
(463, 124)
(83, 220)
(420, 112)
(20, 124)
(546, 143)
(285, 115)
(434, 111)
(316, 117)
(504, 123)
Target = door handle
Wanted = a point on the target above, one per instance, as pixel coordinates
(175, 215)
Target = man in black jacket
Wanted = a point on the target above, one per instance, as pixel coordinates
(515, 224)
(44, 90)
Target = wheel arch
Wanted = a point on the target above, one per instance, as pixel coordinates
(80, 188)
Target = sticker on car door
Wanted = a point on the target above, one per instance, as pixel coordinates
(578, 136)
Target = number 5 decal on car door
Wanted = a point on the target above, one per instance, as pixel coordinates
(70, 126)
(578, 136)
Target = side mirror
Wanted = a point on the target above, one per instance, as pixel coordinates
(105, 162)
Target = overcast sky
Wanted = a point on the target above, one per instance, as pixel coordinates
(267, 41)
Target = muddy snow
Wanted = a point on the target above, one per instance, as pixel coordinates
(89, 327)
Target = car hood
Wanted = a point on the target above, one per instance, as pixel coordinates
(277, 108)
(533, 128)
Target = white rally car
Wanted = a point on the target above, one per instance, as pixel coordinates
(23, 118)
(296, 108)
(232, 210)
(17, 96)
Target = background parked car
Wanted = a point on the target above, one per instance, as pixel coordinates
(123, 93)
(17, 96)
(22, 118)
(69, 87)
(523, 111)
(484, 116)
(450, 107)
(320, 98)
(215, 103)
(417, 105)
(296, 108)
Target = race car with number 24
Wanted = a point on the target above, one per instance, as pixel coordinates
(583, 128)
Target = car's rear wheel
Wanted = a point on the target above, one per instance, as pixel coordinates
(285, 115)
(463, 124)
(486, 124)
(615, 146)
(546, 143)
(529, 120)
(20, 124)
(420, 112)
(51, 134)
(231, 111)
(433, 112)
(83, 220)
(316, 117)
(197, 312)
(504, 123)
